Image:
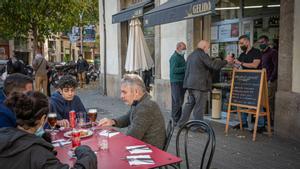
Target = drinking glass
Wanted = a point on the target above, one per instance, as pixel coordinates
(52, 120)
(103, 140)
(92, 114)
(81, 119)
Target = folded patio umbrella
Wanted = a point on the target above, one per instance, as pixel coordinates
(138, 56)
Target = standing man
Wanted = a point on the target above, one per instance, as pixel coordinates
(144, 119)
(250, 58)
(40, 65)
(270, 63)
(198, 80)
(177, 71)
(82, 67)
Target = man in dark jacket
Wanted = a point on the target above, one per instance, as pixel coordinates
(14, 83)
(177, 71)
(19, 149)
(82, 67)
(198, 80)
(65, 99)
(144, 119)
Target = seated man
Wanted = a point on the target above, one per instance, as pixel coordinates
(64, 100)
(144, 119)
(16, 82)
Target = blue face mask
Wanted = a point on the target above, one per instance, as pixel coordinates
(40, 131)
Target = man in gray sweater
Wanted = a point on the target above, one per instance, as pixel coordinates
(144, 119)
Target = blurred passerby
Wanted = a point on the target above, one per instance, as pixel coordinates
(40, 65)
(82, 66)
(14, 65)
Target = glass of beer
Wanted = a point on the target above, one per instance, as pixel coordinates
(92, 114)
(52, 119)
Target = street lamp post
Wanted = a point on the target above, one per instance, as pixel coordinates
(81, 36)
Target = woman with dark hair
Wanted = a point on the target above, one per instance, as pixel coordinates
(23, 147)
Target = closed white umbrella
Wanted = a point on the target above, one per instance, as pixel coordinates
(138, 56)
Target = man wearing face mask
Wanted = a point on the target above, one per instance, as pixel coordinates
(177, 71)
(270, 63)
(250, 58)
(198, 81)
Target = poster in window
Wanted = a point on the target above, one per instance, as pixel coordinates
(234, 30)
(215, 50)
(231, 48)
(225, 31)
(214, 33)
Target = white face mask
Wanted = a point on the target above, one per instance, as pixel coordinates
(182, 52)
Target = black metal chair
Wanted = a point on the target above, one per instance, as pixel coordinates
(210, 144)
(170, 131)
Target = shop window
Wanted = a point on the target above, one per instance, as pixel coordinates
(254, 8)
(226, 10)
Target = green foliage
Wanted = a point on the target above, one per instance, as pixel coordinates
(41, 18)
(67, 58)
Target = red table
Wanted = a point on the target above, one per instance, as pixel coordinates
(113, 158)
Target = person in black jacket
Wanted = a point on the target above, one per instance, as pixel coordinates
(198, 80)
(23, 147)
(82, 66)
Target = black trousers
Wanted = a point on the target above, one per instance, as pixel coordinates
(177, 92)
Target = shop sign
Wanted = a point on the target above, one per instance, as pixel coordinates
(201, 7)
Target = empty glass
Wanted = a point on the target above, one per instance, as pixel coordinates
(103, 140)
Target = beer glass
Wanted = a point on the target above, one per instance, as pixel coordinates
(52, 119)
(92, 114)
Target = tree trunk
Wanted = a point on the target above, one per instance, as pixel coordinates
(35, 40)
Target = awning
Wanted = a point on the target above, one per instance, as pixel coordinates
(177, 10)
(136, 10)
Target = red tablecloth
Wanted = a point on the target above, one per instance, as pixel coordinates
(113, 158)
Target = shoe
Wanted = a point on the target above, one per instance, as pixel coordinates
(260, 130)
(238, 126)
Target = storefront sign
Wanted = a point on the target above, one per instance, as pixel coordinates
(201, 7)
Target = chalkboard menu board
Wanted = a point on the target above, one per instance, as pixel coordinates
(246, 88)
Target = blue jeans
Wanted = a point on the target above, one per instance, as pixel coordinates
(261, 120)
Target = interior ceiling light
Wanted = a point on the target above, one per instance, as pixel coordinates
(273, 6)
(227, 8)
(251, 7)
